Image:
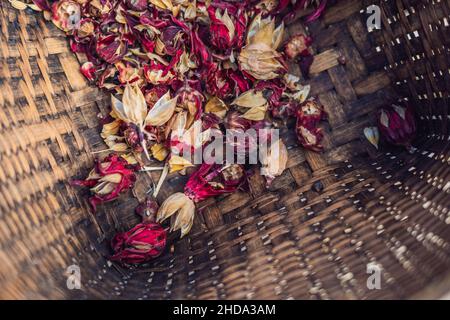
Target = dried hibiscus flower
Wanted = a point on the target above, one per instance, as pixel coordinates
(298, 46)
(108, 179)
(397, 125)
(275, 161)
(208, 181)
(133, 110)
(309, 115)
(228, 24)
(142, 243)
(259, 58)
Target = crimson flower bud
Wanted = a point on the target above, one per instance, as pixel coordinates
(397, 124)
(108, 179)
(309, 115)
(140, 244)
(132, 136)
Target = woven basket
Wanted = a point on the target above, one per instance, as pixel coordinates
(311, 235)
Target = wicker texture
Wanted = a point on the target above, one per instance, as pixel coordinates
(310, 236)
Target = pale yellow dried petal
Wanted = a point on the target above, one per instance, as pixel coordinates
(264, 34)
(216, 106)
(162, 4)
(171, 205)
(277, 36)
(256, 113)
(274, 163)
(162, 111)
(134, 104)
(177, 163)
(103, 188)
(184, 207)
(119, 147)
(111, 128)
(113, 177)
(250, 99)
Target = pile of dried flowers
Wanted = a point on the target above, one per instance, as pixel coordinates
(174, 64)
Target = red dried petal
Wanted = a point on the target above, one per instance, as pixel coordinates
(201, 186)
(112, 164)
(397, 124)
(111, 48)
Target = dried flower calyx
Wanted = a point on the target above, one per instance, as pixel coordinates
(207, 181)
(397, 124)
(108, 179)
(142, 243)
(309, 115)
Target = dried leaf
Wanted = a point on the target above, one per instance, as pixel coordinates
(275, 161)
(114, 177)
(134, 104)
(19, 5)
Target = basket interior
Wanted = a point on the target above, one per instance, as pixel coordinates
(310, 236)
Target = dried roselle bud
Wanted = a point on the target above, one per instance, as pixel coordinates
(227, 26)
(259, 58)
(108, 179)
(133, 137)
(190, 99)
(234, 120)
(397, 124)
(208, 181)
(66, 14)
(310, 113)
(155, 93)
(158, 74)
(127, 73)
(233, 175)
(310, 138)
(140, 244)
(298, 45)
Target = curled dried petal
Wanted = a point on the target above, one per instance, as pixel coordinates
(142, 243)
(275, 161)
(181, 205)
(162, 111)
